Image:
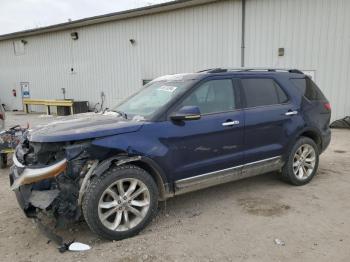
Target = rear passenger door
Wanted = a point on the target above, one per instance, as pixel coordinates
(269, 118)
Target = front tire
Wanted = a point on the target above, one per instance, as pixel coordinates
(121, 202)
(302, 162)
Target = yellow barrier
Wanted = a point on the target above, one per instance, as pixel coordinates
(47, 103)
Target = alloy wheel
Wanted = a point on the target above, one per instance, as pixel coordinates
(304, 161)
(124, 204)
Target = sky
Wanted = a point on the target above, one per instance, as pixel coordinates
(18, 15)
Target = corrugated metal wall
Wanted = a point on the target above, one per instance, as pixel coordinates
(103, 58)
(314, 33)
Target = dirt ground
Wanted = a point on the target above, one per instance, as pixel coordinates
(238, 221)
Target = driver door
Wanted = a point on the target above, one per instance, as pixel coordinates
(215, 141)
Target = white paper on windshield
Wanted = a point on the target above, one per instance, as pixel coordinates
(167, 88)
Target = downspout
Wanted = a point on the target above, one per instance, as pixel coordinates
(243, 34)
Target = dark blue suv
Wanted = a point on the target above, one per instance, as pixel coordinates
(178, 134)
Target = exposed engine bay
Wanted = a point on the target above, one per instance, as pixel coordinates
(48, 177)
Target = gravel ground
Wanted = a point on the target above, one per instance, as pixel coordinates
(238, 221)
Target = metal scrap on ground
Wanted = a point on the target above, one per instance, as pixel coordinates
(341, 123)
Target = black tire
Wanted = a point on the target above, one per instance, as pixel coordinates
(99, 184)
(287, 171)
(3, 160)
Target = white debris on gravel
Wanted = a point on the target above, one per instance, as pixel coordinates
(76, 246)
(279, 242)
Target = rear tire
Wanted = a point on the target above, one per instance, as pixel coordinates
(302, 162)
(121, 202)
(3, 160)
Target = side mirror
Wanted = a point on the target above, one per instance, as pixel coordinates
(187, 113)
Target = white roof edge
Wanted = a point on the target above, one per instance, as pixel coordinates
(147, 10)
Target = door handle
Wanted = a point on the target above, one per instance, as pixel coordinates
(291, 113)
(231, 123)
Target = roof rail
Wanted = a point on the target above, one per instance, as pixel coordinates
(296, 71)
(213, 70)
(222, 70)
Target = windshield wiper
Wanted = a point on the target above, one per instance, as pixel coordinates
(121, 113)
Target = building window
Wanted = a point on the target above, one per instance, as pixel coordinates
(19, 47)
(145, 81)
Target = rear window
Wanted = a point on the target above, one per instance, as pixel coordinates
(262, 92)
(308, 88)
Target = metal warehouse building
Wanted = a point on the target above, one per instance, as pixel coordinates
(115, 53)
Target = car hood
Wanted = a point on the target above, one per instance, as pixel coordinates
(82, 126)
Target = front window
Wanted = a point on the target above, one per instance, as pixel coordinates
(155, 96)
(213, 96)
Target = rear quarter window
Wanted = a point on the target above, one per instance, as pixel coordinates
(308, 88)
(262, 92)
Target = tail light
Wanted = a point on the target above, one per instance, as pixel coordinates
(2, 117)
(327, 106)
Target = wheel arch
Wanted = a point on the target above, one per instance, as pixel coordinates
(309, 132)
(142, 162)
(314, 135)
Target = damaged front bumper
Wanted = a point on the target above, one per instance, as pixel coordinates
(24, 176)
(46, 189)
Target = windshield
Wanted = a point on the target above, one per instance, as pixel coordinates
(151, 99)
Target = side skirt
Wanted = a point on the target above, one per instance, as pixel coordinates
(227, 175)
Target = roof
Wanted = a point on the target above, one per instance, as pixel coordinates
(147, 10)
(295, 73)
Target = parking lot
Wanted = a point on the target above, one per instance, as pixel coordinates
(238, 221)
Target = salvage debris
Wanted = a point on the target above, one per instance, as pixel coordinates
(77, 246)
(9, 139)
(62, 245)
(279, 242)
(42, 199)
(341, 123)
